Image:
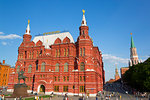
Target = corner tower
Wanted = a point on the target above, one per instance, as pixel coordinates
(84, 44)
(116, 74)
(133, 54)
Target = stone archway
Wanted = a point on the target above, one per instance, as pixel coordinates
(41, 89)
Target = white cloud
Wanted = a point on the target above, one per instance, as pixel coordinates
(10, 36)
(4, 43)
(114, 59)
(1, 33)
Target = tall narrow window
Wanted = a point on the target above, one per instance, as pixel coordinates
(37, 54)
(83, 78)
(30, 69)
(83, 51)
(64, 78)
(65, 88)
(58, 78)
(82, 66)
(32, 55)
(56, 88)
(67, 78)
(56, 53)
(25, 54)
(55, 78)
(66, 67)
(67, 52)
(80, 78)
(57, 67)
(18, 69)
(82, 88)
(36, 65)
(43, 67)
(80, 51)
(64, 52)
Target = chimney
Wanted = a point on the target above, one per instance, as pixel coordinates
(3, 61)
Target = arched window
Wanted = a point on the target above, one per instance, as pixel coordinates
(57, 67)
(32, 55)
(67, 52)
(80, 51)
(37, 54)
(43, 67)
(64, 52)
(56, 53)
(82, 66)
(66, 67)
(83, 51)
(30, 69)
(18, 68)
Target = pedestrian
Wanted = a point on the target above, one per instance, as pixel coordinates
(20, 98)
(41, 98)
(50, 98)
(3, 97)
(0, 97)
(96, 98)
(120, 97)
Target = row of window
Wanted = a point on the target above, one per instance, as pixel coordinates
(65, 88)
(82, 78)
(65, 78)
(82, 67)
(58, 52)
(30, 54)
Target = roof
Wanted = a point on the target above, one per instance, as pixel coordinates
(49, 39)
(132, 43)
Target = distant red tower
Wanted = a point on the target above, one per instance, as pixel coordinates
(116, 74)
(55, 63)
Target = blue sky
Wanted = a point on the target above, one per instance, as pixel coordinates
(110, 24)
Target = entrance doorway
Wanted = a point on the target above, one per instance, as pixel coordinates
(42, 89)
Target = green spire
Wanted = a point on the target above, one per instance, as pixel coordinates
(132, 43)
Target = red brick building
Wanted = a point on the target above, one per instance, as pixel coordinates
(55, 63)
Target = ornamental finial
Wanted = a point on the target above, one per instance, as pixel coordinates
(83, 11)
(28, 21)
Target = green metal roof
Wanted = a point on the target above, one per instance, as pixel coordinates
(132, 43)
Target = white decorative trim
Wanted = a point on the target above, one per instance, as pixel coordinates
(76, 70)
(43, 81)
(10, 90)
(90, 70)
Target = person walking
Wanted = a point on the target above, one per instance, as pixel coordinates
(0, 97)
(96, 98)
(3, 97)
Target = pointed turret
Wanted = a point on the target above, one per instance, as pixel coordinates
(133, 54)
(83, 19)
(28, 28)
(84, 28)
(132, 43)
(27, 37)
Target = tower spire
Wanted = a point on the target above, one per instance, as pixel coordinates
(132, 43)
(28, 28)
(83, 19)
(116, 74)
(133, 54)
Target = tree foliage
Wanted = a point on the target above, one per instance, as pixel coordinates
(138, 76)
